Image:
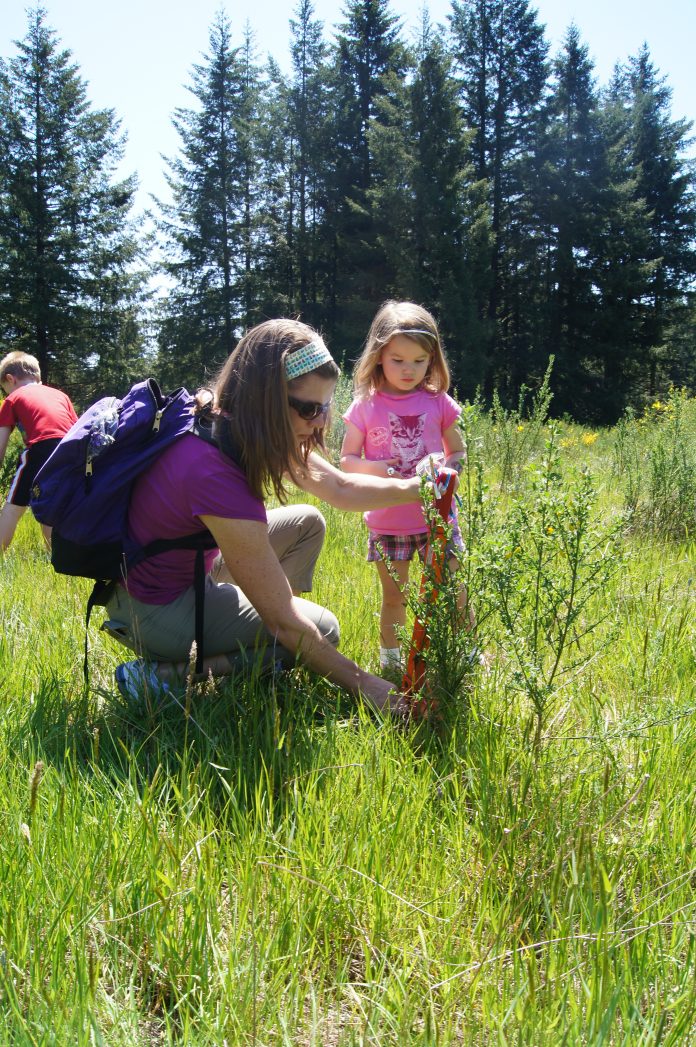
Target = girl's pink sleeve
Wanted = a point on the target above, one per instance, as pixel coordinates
(354, 415)
(450, 411)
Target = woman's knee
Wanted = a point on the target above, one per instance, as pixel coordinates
(327, 624)
(324, 619)
(312, 524)
(301, 517)
(330, 628)
(296, 534)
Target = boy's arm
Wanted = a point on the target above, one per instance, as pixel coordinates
(352, 460)
(5, 433)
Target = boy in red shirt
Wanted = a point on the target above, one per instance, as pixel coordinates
(43, 415)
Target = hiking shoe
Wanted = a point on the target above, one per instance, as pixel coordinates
(138, 680)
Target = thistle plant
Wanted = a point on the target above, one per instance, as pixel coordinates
(444, 605)
(549, 568)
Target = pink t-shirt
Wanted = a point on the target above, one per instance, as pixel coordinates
(189, 480)
(408, 428)
(40, 412)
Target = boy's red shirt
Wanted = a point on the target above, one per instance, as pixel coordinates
(40, 412)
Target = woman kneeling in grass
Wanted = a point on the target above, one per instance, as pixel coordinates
(271, 403)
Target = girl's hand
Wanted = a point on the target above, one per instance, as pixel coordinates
(456, 461)
(352, 460)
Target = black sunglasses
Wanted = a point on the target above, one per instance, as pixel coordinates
(308, 410)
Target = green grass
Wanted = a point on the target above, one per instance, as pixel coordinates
(274, 865)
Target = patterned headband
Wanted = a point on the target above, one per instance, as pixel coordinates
(306, 359)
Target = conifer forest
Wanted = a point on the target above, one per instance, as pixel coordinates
(537, 213)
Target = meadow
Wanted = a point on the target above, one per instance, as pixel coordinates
(271, 863)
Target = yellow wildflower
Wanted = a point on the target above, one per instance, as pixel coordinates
(588, 439)
(520, 428)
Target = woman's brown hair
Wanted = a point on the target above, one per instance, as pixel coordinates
(253, 423)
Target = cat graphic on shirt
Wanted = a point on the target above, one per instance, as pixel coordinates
(407, 440)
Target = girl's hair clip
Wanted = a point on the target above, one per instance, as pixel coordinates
(413, 330)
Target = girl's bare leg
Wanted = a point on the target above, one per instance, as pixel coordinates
(393, 610)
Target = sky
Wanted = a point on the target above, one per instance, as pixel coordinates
(137, 55)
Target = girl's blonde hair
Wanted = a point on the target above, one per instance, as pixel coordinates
(417, 323)
(253, 421)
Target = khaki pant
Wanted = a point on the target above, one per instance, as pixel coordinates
(165, 633)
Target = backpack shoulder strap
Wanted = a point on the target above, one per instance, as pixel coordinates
(204, 427)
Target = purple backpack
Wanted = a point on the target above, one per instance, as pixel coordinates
(83, 490)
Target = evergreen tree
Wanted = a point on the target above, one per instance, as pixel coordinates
(209, 228)
(430, 217)
(390, 199)
(573, 191)
(621, 269)
(69, 292)
(451, 242)
(501, 52)
(370, 62)
(249, 160)
(273, 274)
(309, 126)
(665, 182)
(679, 336)
(621, 246)
(297, 165)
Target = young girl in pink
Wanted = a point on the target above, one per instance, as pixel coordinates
(400, 414)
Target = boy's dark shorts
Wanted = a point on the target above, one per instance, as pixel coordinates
(30, 461)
